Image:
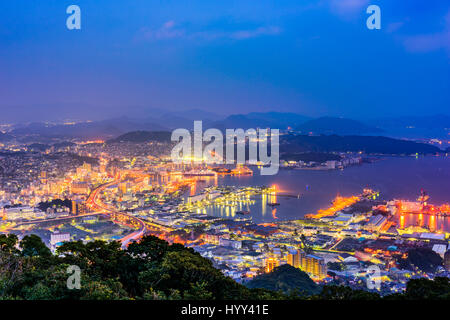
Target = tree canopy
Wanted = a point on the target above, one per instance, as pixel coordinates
(155, 269)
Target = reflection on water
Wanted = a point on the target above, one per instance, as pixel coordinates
(394, 177)
(431, 222)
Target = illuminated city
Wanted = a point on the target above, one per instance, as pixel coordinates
(237, 151)
(100, 194)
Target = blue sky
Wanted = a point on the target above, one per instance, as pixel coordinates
(311, 57)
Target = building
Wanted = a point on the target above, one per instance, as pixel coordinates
(331, 164)
(80, 188)
(447, 260)
(196, 198)
(376, 223)
(295, 257)
(440, 249)
(313, 265)
(212, 238)
(59, 237)
(343, 219)
(271, 263)
(78, 207)
(235, 244)
(19, 212)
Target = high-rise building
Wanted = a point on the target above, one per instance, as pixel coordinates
(79, 187)
(78, 207)
(271, 263)
(315, 266)
(311, 264)
(295, 258)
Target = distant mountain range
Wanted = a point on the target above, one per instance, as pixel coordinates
(87, 130)
(110, 128)
(340, 126)
(274, 120)
(436, 126)
(143, 136)
(293, 121)
(409, 127)
(424, 122)
(292, 144)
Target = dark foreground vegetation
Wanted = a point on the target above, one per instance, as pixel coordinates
(154, 269)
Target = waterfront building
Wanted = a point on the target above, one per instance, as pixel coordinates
(376, 223)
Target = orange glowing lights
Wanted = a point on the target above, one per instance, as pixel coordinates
(274, 213)
(339, 203)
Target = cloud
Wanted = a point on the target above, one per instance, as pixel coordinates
(345, 8)
(431, 41)
(394, 26)
(427, 42)
(166, 31)
(169, 30)
(247, 34)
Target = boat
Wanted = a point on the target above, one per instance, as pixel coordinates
(200, 173)
(241, 170)
(273, 204)
(221, 170)
(244, 212)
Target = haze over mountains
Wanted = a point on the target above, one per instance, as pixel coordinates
(98, 129)
(295, 145)
(411, 127)
(278, 120)
(435, 126)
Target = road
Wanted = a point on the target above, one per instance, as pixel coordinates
(37, 221)
(95, 203)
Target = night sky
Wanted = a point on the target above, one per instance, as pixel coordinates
(311, 57)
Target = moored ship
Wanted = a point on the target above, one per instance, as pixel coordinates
(196, 173)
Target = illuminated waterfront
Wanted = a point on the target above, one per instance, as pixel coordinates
(394, 177)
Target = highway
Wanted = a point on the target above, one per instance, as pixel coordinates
(94, 202)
